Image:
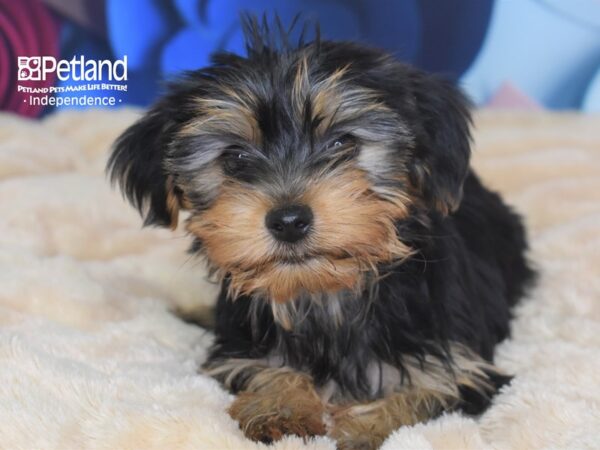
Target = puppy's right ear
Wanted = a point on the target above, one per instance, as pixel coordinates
(137, 164)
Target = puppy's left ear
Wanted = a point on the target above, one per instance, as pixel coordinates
(137, 164)
(441, 158)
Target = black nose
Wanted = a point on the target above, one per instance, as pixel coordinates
(290, 223)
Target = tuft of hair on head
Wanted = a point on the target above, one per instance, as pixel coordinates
(263, 39)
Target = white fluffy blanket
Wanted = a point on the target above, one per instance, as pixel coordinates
(91, 356)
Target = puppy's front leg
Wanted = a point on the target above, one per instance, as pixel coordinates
(428, 388)
(364, 426)
(272, 402)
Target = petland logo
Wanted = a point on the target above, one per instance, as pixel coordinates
(85, 83)
(37, 68)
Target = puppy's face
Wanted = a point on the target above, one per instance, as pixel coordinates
(296, 166)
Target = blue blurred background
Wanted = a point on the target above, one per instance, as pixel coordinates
(506, 53)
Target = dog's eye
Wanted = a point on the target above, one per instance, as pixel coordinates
(342, 149)
(341, 141)
(234, 159)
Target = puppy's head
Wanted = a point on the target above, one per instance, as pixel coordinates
(296, 164)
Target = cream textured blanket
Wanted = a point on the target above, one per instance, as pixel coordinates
(92, 358)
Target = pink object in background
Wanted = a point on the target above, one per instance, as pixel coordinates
(27, 28)
(508, 96)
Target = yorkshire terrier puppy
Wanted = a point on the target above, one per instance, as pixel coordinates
(366, 272)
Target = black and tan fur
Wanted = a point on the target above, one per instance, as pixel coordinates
(387, 311)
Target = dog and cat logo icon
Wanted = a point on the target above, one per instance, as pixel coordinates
(29, 68)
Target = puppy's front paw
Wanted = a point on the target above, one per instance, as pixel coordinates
(267, 417)
(355, 431)
(365, 426)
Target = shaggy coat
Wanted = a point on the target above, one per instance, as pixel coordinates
(388, 309)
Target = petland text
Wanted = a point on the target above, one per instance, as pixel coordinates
(77, 69)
